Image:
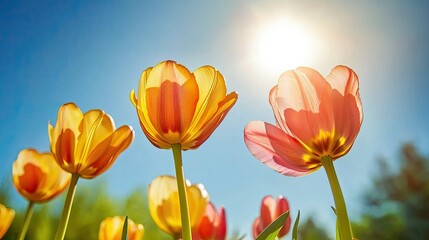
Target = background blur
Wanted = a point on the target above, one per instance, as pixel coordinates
(93, 52)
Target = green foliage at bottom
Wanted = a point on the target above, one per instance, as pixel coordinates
(92, 204)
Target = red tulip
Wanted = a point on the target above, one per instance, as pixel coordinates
(270, 210)
(212, 226)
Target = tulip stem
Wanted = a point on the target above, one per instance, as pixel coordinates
(27, 220)
(344, 228)
(184, 212)
(61, 231)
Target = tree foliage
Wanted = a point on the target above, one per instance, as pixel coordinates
(397, 207)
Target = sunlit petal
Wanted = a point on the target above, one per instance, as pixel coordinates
(278, 150)
(176, 106)
(92, 146)
(37, 177)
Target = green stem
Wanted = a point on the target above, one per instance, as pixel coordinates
(184, 212)
(27, 220)
(61, 231)
(342, 217)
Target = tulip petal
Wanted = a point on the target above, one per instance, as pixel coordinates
(257, 227)
(268, 210)
(6, 215)
(105, 153)
(346, 82)
(198, 199)
(202, 134)
(282, 207)
(347, 122)
(206, 226)
(212, 90)
(278, 150)
(171, 97)
(63, 136)
(37, 177)
(278, 113)
(95, 127)
(221, 224)
(300, 89)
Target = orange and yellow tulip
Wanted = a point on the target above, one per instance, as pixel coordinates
(37, 176)
(6, 216)
(164, 204)
(212, 225)
(176, 106)
(270, 210)
(316, 117)
(111, 229)
(87, 144)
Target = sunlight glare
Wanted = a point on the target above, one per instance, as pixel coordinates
(283, 45)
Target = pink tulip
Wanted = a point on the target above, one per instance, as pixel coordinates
(315, 117)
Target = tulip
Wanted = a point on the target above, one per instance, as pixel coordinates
(38, 178)
(164, 206)
(111, 229)
(85, 145)
(176, 106)
(212, 225)
(270, 210)
(178, 109)
(317, 121)
(6, 217)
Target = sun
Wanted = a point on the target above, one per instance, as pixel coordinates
(282, 45)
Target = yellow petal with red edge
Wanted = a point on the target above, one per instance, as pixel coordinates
(199, 136)
(171, 100)
(63, 136)
(154, 137)
(95, 127)
(37, 177)
(212, 90)
(105, 153)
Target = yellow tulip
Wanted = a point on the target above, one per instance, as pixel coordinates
(111, 229)
(164, 204)
(37, 176)
(87, 144)
(176, 106)
(6, 217)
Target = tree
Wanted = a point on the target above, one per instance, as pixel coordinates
(397, 205)
(310, 231)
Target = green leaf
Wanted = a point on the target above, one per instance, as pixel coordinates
(335, 210)
(272, 230)
(337, 230)
(125, 229)
(295, 227)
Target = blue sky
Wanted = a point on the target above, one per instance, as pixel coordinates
(93, 52)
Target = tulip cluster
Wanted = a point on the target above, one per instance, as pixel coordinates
(317, 121)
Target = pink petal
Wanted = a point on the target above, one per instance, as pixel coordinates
(347, 121)
(301, 89)
(346, 82)
(268, 210)
(277, 149)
